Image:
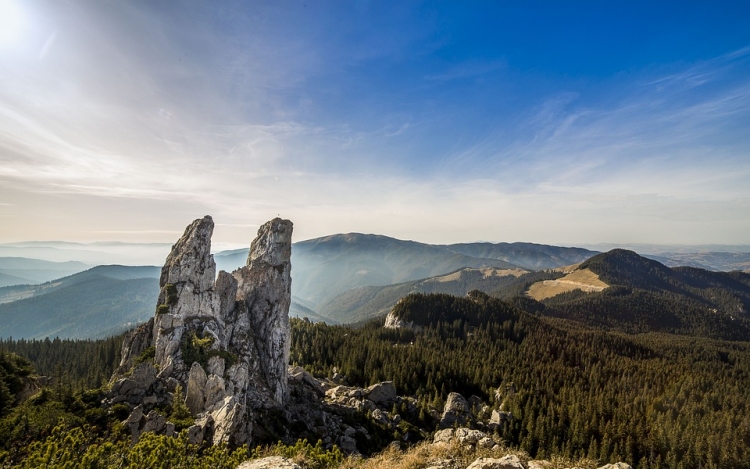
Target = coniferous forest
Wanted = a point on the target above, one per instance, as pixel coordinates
(655, 399)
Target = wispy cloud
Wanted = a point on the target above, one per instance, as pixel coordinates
(241, 117)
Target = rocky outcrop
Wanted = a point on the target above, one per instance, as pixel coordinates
(223, 339)
(456, 411)
(134, 345)
(392, 321)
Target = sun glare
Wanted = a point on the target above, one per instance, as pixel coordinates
(11, 22)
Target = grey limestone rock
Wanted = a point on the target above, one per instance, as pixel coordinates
(133, 346)
(394, 322)
(195, 398)
(382, 393)
(456, 411)
(464, 437)
(443, 436)
(539, 464)
(186, 290)
(506, 462)
(264, 288)
(224, 339)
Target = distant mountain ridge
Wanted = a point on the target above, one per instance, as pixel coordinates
(104, 300)
(22, 270)
(529, 256)
(352, 276)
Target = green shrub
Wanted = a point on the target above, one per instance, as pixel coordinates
(171, 292)
(312, 457)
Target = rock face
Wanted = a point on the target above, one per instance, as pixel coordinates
(264, 290)
(224, 339)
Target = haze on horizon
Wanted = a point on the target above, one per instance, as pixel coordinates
(575, 123)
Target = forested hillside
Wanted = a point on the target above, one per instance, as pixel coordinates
(658, 400)
(100, 302)
(365, 303)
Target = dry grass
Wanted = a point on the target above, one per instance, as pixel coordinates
(425, 455)
(582, 279)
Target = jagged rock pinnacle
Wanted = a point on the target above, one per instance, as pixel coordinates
(224, 339)
(264, 288)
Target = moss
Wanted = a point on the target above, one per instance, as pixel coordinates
(162, 309)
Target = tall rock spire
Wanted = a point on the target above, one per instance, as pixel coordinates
(264, 288)
(186, 289)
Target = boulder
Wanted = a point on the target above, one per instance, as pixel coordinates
(444, 437)
(541, 464)
(506, 462)
(619, 465)
(456, 411)
(155, 422)
(380, 417)
(466, 436)
(348, 444)
(382, 394)
(499, 416)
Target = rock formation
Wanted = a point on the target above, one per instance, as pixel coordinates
(456, 411)
(223, 339)
(220, 343)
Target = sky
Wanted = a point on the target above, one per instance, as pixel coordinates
(553, 122)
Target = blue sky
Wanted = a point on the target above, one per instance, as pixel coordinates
(553, 122)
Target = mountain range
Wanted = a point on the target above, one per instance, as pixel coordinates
(353, 277)
(636, 294)
(19, 270)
